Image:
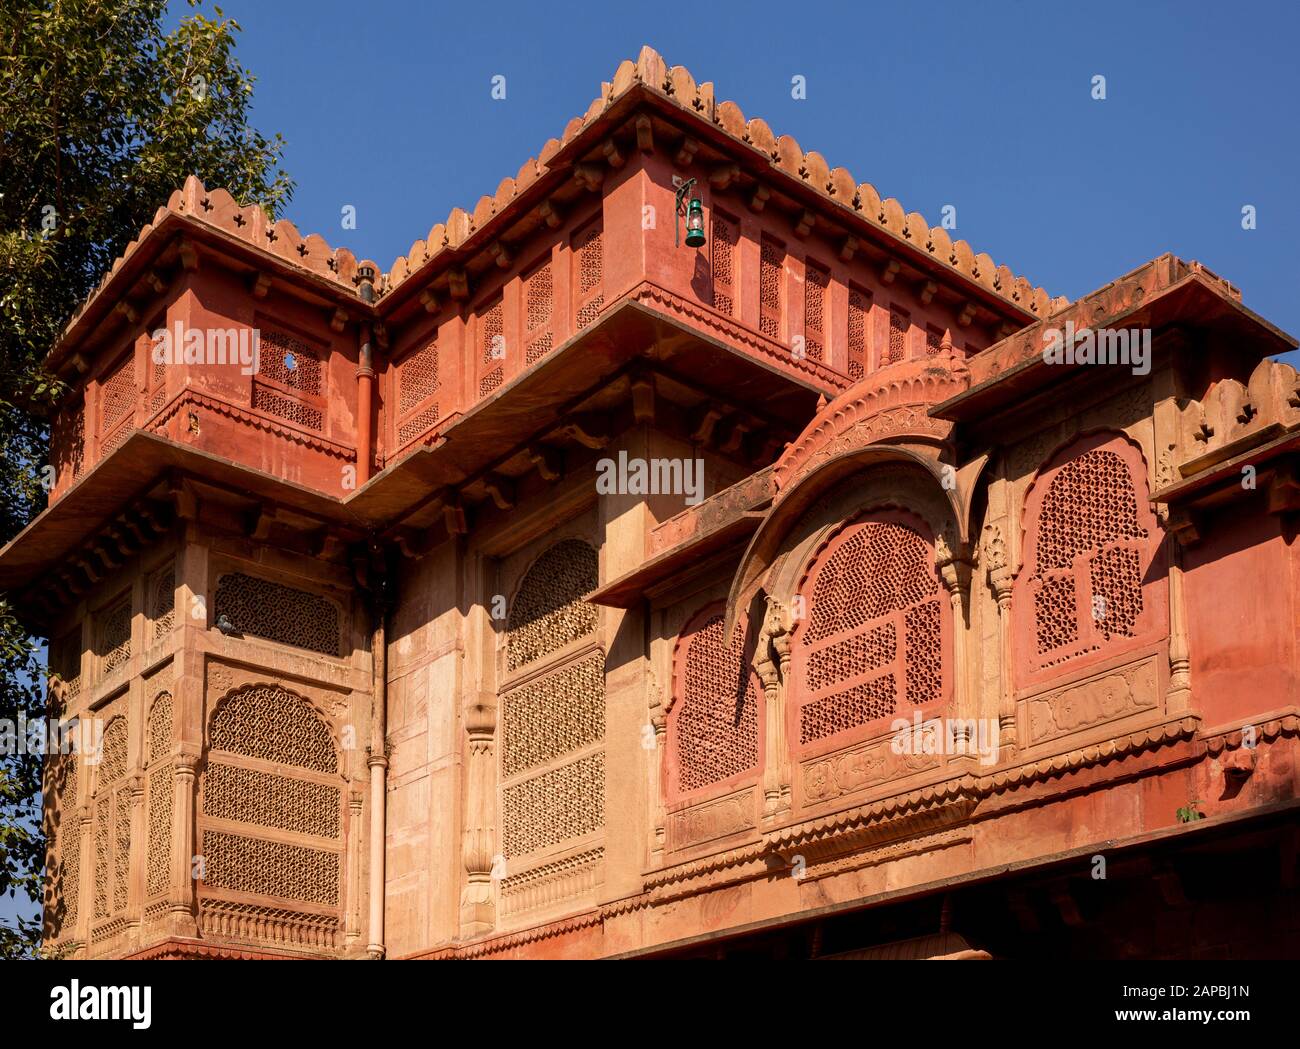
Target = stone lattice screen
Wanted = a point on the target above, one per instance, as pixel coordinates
(162, 602)
(63, 844)
(713, 726)
(875, 641)
(589, 263)
(113, 636)
(1091, 542)
(771, 269)
(65, 661)
(111, 811)
(553, 705)
(539, 308)
(859, 326)
(816, 293)
(290, 381)
(271, 819)
(117, 397)
(159, 794)
(726, 237)
(278, 612)
(492, 346)
(418, 383)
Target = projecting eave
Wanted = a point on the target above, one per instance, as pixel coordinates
(577, 395)
(142, 469)
(1165, 292)
(713, 530)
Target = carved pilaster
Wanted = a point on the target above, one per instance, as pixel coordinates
(955, 566)
(355, 833)
(1178, 696)
(477, 913)
(180, 905)
(1000, 580)
(659, 726)
(774, 640)
(138, 856)
(86, 886)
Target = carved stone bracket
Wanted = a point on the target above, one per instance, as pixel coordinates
(774, 673)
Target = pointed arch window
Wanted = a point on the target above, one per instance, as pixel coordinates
(1091, 557)
(714, 724)
(873, 640)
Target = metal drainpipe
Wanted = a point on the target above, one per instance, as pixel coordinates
(377, 759)
(365, 379)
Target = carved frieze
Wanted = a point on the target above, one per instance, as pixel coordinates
(712, 820)
(1095, 701)
(844, 773)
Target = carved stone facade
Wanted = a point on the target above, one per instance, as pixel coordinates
(882, 610)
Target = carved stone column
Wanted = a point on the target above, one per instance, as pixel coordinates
(181, 910)
(139, 857)
(955, 570)
(356, 800)
(1180, 531)
(654, 776)
(86, 874)
(1000, 579)
(774, 639)
(477, 913)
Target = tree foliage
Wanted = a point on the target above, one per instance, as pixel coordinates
(104, 111)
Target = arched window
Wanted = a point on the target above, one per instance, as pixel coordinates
(713, 724)
(872, 637)
(63, 841)
(1090, 543)
(553, 705)
(271, 816)
(112, 816)
(160, 791)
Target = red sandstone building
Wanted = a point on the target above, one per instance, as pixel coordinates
(384, 666)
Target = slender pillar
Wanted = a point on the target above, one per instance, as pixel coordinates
(377, 762)
(774, 640)
(1178, 696)
(181, 914)
(1000, 579)
(955, 571)
(654, 748)
(477, 913)
(139, 852)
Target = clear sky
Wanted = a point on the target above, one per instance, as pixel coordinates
(387, 106)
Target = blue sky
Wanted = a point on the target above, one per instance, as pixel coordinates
(387, 106)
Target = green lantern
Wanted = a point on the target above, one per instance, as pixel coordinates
(695, 224)
(694, 213)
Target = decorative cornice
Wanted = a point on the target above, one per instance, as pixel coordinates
(891, 403)
(787, 163)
